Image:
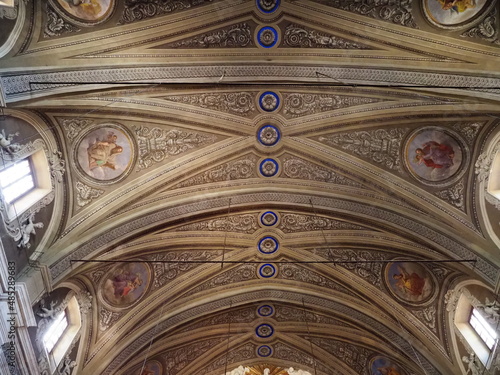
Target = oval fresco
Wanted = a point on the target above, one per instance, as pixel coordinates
(151, 368)
(125, 284)
(453, 12)
(410, 282)
(105, 154)
(87, 11)
(385, 366)
(433, 155)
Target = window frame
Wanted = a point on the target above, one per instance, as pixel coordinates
(40, 172)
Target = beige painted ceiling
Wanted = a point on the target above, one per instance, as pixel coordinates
(355, 88)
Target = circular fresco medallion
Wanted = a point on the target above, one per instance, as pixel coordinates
(453, 13)
(434, 156)
(125, 284)
(86, 11)
(105, 154)
(409, 282)
(385, 366)
(150, 368)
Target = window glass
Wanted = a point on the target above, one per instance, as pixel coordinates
(16, 180)
(55, 331)
(483, 329)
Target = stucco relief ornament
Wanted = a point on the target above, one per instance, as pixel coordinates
(268, 219)
(473, 365)
(269, 135)
(85, 194)
(8, 12)
(268, 245)
(7, 145)
(269, 101)
(26, 229)
(66, 366)
(269, 167)
(268, 6)
(267, 37)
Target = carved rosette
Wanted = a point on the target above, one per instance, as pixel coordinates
(268, 245)
(267, 6)
(267, 271)
(264, 351)
(269, 101)
(264, 331)
(267, 37)
(269, 167)
(268, 135)
(268, 219)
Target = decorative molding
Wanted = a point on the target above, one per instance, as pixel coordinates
(298, 104)
(8, 12)
(428, 317)
(302, 274)
(107, 318)
(486, 30)
(483, 164)
(369, 271)
(469, 130)
(238, 169)
(246, 315)
(295, 355)
(397, 11)
(73, 126)
(246, 223)
(293, 223)
(454, 195)
(234, 36)
(299, 36)
(380, 146)
(86, 194)
(294, 167)
(177, 359)
(156, 144)
(236, 355)
(57, 167)
(166, 272)
(235, 275)
(354, 356)
(236, 103)
(292, 314)
(136, 10)
(84, 299)
(56, 25)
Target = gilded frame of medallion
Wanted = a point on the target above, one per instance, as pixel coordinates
(455, 176)
(126, 172)
(474, 20)
(80, 22)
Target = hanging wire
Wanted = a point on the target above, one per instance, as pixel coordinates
(228, 335)
(225, 235)
(152, 338)
(309, 334)
(322, 233)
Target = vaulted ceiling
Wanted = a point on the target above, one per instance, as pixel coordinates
(256, 165)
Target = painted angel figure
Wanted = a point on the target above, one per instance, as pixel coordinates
(457, 6)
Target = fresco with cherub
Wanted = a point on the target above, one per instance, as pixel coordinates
(126, 284)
